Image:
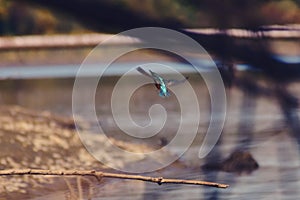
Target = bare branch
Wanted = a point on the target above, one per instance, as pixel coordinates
(97, 174)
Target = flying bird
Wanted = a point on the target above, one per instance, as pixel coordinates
(160, 83)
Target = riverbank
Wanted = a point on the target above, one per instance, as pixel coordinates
(41, 140)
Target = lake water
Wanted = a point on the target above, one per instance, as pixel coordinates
(256, 120)
(254, 123)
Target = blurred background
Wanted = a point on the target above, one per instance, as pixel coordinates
(43, 17)
(255, 44)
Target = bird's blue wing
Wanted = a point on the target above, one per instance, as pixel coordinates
(157, 78)
(142, 71)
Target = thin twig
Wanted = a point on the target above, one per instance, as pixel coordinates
(97, 174)
(71, 190)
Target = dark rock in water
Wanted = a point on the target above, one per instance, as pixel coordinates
(238, 162)
(163, 141)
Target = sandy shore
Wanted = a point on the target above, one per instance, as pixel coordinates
(45, 141)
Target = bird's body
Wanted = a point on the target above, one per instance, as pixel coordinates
(160, 83)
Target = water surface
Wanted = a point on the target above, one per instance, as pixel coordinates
(259, 121)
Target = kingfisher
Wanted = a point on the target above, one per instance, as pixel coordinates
(160, 83)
